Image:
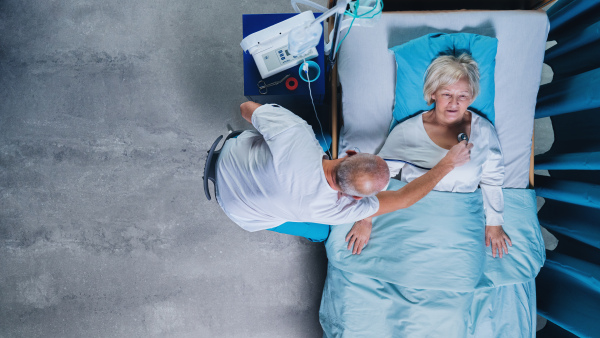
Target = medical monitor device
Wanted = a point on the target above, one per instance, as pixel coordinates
(269, 47)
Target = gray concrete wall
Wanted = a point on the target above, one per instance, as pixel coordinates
(107, 109)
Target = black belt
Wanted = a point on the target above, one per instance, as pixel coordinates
(210, 168)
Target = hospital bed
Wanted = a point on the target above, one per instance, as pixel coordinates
(361, 300)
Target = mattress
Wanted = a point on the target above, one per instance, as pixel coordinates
(367, 74)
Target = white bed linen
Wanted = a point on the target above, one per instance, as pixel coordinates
(367, 73)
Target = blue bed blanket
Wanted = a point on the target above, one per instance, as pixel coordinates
(356, 306)
(439, 243)
(426, 272)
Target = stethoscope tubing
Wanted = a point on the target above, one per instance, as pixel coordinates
(461, 137)
(414, 165)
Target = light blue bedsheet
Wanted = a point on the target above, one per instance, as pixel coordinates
(426, 272)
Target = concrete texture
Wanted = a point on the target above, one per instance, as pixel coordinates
(107, 109)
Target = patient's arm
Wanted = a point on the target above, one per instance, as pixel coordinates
(412, 192)
(496, 236)
(359, 235)
(492, 178)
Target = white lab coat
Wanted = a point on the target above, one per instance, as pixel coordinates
(276, 175)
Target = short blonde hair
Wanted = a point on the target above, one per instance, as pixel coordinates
(446, 70)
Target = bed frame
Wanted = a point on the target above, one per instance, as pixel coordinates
(419, 5)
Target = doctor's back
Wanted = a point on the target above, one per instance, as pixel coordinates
(275, 175)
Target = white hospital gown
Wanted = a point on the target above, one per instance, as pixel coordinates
(409, 141)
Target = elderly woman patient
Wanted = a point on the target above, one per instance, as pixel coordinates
(452, 84)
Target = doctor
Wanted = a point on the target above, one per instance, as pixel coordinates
(278, 178)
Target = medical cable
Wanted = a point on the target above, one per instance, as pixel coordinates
(344, 38)
(359, 16)
(414, 165)
(364, 15)
(305, 69)
(461, 137)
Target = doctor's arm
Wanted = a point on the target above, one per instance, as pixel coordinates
(411, 193)
(247, 109)
(390, 201)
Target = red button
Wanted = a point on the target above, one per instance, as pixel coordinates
(291, 83)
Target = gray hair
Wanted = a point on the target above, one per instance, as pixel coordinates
(446, 70)
(362, 175)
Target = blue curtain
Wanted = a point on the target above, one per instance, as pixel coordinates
(569, 283)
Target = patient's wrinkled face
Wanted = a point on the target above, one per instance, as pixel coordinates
(451, 102)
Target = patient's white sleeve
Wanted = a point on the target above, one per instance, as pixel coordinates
(491, 182)
(395, 167)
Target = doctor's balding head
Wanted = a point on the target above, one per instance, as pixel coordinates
(362, 175)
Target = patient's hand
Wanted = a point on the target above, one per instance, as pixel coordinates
(495, 235)
(359, 235)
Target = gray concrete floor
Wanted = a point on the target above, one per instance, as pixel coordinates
(107, 109)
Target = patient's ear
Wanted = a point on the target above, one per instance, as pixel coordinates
(351, 152)
(357, 197)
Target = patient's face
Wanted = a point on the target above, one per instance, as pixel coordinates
(451, 102)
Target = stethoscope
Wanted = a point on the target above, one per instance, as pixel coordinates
(461, 137)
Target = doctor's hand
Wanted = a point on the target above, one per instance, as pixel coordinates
(459, 154)
(359, 235)
(495, 235)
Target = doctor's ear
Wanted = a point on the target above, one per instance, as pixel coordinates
(351, 152)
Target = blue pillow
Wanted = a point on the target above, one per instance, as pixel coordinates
(413, 58)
